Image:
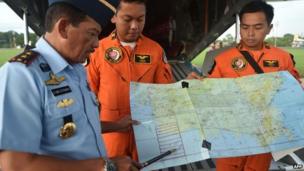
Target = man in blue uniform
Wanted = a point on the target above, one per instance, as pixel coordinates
(48, 115)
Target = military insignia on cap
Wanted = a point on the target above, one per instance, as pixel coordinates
(144, 59)
(54, 80)
(238, 63)
(271, 63)
(65, 103)
(26, 57)
(113, 55)
(67, 130)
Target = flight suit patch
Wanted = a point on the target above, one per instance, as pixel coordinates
(143, 59)
(270, 63)
(61, 90)
(113, 54)
(238, 63)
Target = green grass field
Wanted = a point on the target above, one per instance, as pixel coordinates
(297, 52)
(6, 54)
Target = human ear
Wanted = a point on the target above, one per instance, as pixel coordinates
(269, 28)
(63, 27)
(113, 19)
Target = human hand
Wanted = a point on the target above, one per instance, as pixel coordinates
(126, 164)
(194, 75)
(125, 123)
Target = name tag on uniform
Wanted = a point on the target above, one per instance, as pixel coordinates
(61, 90)
(143, 59)
(271, 63)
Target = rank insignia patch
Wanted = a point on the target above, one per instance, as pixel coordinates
(113, 55)
(26, 57)
(65, 103)
(144, 59)
(238, 63)
(54, 80)
(271, 63)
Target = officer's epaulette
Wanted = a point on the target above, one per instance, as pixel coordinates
(25, 57)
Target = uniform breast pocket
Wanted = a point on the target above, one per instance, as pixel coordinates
(58, 114)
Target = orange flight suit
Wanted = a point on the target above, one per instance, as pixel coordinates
(231, 64)
(111, 68)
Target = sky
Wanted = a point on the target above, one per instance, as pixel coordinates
(288, 18)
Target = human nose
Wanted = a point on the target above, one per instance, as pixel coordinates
(134, 25)
(251, 31)
(96, 43)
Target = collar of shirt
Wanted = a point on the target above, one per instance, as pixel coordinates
(265, 48)
(130, 44)
(53, 58)
(114, 37)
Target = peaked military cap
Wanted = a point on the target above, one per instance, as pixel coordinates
(100, 10)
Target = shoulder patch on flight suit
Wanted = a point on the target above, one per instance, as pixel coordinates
(270, 63)
(143, 59)
(238, 63)
(25, 57)
(113, 54)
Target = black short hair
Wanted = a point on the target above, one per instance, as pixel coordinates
(61, 9)
(258, 6)
(131, 1)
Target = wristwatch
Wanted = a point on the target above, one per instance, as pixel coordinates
(109, 165)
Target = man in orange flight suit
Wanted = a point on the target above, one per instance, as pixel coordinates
(125, 55)
(255, 24)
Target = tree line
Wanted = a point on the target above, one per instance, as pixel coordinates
(285, 41)
(12, 39)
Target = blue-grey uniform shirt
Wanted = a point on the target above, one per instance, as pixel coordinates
(30, 112)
